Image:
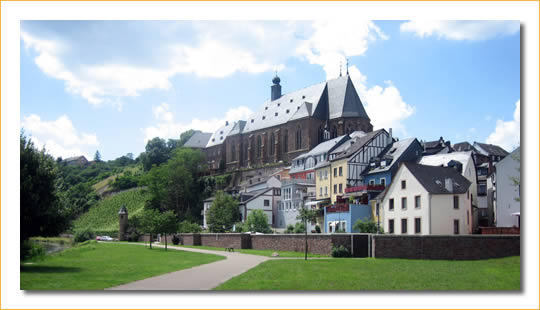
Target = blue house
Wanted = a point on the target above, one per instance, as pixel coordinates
(342, 216)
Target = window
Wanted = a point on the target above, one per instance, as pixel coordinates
(403, 203)
(417, 225)
(371, 182)
(456, 227)
(391, 204)
(325, 174)
(233, 152)
(320, 190)
(340, 171)
(390, 226)
(335, 188)
(272, 144)
(340, 188)
(335, 172)
(259, 146)
(383, 181)
(403, 184)
(456, 202)
(320, 174)
(417, 202)
(403, 226)
(326, 190)
(298, 138)
(285, 141)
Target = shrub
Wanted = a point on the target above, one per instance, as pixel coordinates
(257, 221)
(365, 226)
(239, 227)
(340, 251)
(299, 228)
(175, 240)
(186, 227)
(32, 251)
(318, 229)
(84, 234)
(290, 229)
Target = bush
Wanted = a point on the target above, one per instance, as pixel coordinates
(257, 221)
(299, 228)
(340, 251)
(289, 229)
(186, 227)
(175, 240)
(239, 227)
(365, 226)
(83, 235)
(318, 229)
(32, 251)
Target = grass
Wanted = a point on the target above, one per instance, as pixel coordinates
(60, 240)
(256, 252)
(104, 215)
(380, 275)
(93, 266)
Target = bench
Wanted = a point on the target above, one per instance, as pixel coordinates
(229, 249)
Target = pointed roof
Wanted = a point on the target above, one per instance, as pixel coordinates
(357, 143)
(433, 178)
(343, 99)
(464, 147)
(393, 153)
(219, 136)
(198, 140)
(490, 149)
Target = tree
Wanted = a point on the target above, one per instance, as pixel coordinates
(167, 224)
(223, 213)
(365, 226)
(185, 136)
(257, 221)
(156, 153)
(42, 212)
(150, 221)
(305, 214)
(516, 181)
(97, 157)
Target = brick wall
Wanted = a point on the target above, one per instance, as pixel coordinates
(238, 241)
(445, 247)
(499, 230)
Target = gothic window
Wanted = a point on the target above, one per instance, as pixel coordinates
(298, 138)
(233, 152)
(259, 146)
(272, 144)
(285, 141)
(320, 133)
(246, 151)
(333, 134)
(350, 128)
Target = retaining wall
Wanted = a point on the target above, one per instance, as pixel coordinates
(499, 230)
(445, 247)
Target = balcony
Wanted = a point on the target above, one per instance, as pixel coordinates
(364, 188)
(298, 181)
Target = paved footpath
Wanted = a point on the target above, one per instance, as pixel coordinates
(204, 277)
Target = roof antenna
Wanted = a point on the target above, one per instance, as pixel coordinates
(340, 68)
(347, 66)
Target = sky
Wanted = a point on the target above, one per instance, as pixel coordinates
(113, 85)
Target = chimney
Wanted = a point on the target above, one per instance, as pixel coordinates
(226, 123)
(275, 88)
(390, 136)
(449, 185)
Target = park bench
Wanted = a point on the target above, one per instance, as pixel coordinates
(229, 248)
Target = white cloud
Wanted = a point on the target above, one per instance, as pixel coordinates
(59, 137)
(335, 40)
(507, 133)
(461, 29)
(166, 128)
(384, 104)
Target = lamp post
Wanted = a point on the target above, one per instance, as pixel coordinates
(377, 212)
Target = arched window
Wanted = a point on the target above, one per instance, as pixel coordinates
(350, 128)
(320, 133)
(246, 151)
(285, 141)
(333, 134)
(272, 144)
(298, 138)
(233, 152)
(259, 146)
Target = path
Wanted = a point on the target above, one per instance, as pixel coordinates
(204, 277)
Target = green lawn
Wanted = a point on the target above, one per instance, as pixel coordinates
(93, 266)
(256, 252)
(380, 275)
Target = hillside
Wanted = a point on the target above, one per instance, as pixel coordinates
(104, 215)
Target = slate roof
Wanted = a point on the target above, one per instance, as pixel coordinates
(464, 147)
(444, 159)
(75, 158)
(257, 194)
(357, 143)
(198, 140)
(321, 148)
(492, 149)
(343, 99)
(219, 136)
(394, 152)
(433, 178)
(238, 128)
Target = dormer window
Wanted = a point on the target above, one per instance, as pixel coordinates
(220, 138)
(383, 163)
(276, 114)
(264, 117)
(298, 107)
(252, 120)
(221, 132)
(266, 108)
(278, 104)
(287, 111)
(213, 139)
(303, 96)
(291, 99)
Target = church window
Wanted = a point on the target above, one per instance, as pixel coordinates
(334, 132)
(233, 152)
(286, 141)
(320, 134)
(272, 144)
(259, 146)
(298, 138)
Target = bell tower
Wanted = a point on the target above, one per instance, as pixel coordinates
(122, 223)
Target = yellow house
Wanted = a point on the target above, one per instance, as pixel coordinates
(338, 178)
(323, 182)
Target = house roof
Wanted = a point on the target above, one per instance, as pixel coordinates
(515, 153)
(75, 158)
(219, 135)
(257, 194)
(198, 140)
(464, 147)
(355, 144)
(394, 152)
(444, 159)
(321, 148)
(238, 128)
(490, 149)
(343, 100)
(432, 178)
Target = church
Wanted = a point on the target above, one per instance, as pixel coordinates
(286, 126)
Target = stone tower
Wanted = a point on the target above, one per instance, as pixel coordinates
(122, 223)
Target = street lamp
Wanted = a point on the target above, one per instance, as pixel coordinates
(377, 212)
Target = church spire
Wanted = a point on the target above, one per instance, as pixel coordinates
(347, 66)
(340, 68)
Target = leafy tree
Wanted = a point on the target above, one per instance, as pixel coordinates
(290, 229)
(97, 157)
(167, 224)
(42, 212)
(150, 222)
(299, 228)
(257, 221)
(306, 215)
(173, 144)
(223, 213)
(186, 135)
(186, 227)
(516, 181)
(156, 153)
(365, 226)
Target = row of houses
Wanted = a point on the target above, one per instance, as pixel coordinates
(406, 186)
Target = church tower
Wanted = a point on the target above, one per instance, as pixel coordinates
(275, 88)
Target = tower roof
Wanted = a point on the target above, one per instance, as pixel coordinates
(123, 210)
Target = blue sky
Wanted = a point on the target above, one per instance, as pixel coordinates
(111, 85)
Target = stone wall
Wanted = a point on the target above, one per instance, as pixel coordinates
(499, 230)
(237, 241)
(445, 247)
(317, 244)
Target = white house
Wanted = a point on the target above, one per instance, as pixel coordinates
(506, 192)
(271, 181)
(266, 200)
(426, 200)
(467, 168)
